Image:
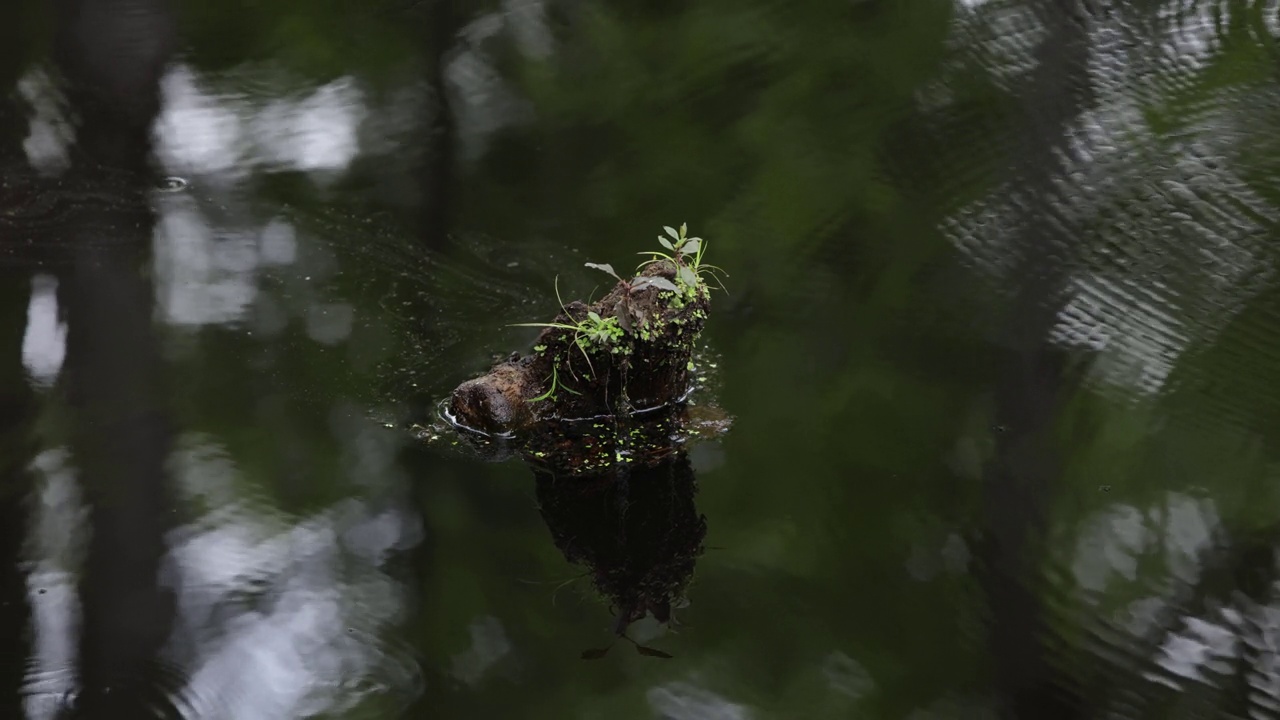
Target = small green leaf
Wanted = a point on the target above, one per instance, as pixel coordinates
(551, 391)
(603, 267)
(659, 282)
(672, 232)
(667, 244)
(683, 229)
(554, 325)
(687, 276)
(691, 246)
(593, 315)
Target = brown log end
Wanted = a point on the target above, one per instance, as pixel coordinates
(494, 402)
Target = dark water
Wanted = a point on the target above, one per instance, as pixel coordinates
(1001, 352)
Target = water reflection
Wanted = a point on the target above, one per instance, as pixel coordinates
(1026, 256)
(213, 134)
(618, 497)
(55, 551)
(147, 572)
(48, 142)
(17, 448)
(275, 615)
(636, 533)
(284, 616)
(44, 345)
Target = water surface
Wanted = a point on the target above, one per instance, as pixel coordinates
(1000, 351)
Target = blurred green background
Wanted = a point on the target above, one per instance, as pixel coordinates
(1000, 344)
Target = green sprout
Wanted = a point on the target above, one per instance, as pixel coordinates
(555, 385)
(686, 255)
(627, 312)
(590, 330)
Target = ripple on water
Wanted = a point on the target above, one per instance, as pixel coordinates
(153, 691)
(291, 615)
(172, 184)
(48, 691)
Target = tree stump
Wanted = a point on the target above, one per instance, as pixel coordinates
(629, 352)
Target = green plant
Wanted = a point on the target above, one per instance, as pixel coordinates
(555, 385)
(634, 284)
(603, 332)
(686, 255)
(626, 312)
(577, 328)
(598, 330)
(589, 330)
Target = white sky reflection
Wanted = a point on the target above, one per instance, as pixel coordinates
(203, 276)
(686, 701)
(44, 343)
(204, 132)
(54, 548)
(302, 637)
(1133, 308)
(50, 134)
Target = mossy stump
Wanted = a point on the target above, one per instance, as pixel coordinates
(639, 359)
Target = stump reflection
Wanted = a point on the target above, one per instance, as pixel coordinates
(618, 496)
(637, 532)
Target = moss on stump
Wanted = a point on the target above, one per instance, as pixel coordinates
(628, 352)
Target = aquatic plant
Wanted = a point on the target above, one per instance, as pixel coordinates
(630, 350)
(686, 255)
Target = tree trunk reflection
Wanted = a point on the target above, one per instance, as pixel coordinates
(16, 450)
(113, 52)
(1026, 467)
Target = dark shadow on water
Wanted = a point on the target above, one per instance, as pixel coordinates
(16, 451)
(618, 497)
(442, 19)
(122, 441)
(113, 54)
(637, 533)
(1025, 473)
